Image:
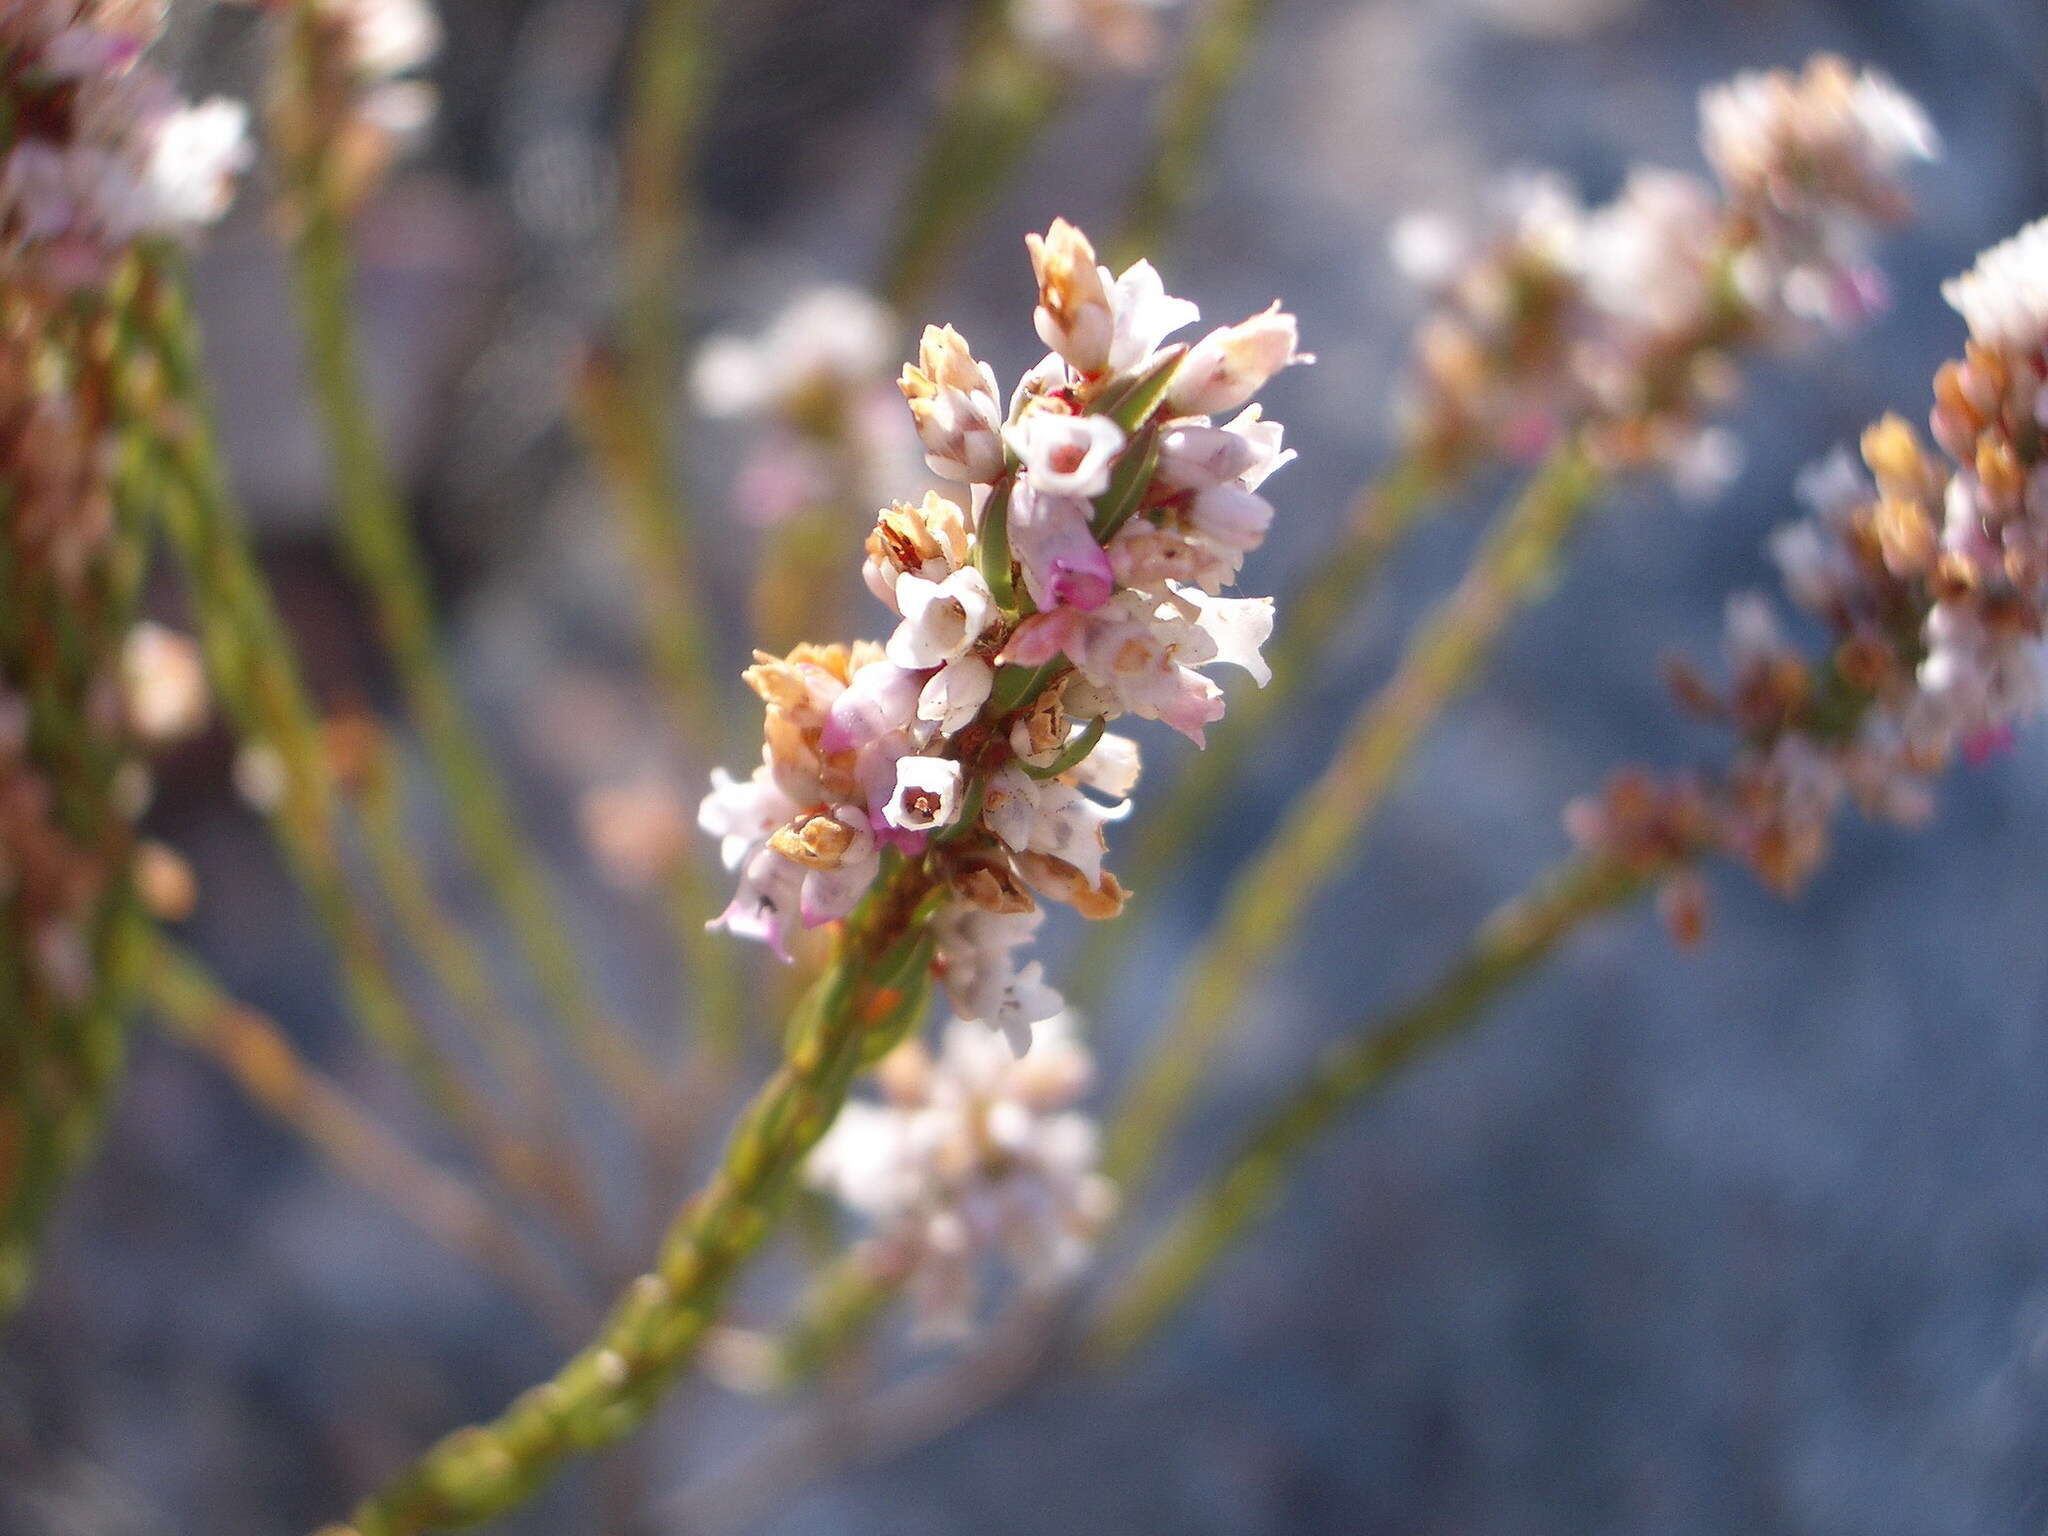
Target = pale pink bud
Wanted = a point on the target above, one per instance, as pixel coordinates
(1229, 365)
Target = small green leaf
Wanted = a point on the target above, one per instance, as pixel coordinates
(1127, 483)
(992, 544)
(1076, 752)
(1129, 402)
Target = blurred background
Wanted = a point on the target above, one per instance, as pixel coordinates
(1753, 1238)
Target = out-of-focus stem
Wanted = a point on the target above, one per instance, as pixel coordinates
(1322, 828)
(856, 1010)
(670, 66)
(1380, 517)
(452, 955)
(1218, 47)
(845, 1300)
(250, 657)
(1000, 96)
(387, 559)
(630, 448)
(256, 1054)
(1508, 947)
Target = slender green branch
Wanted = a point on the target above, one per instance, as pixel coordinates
(381, 545)
(1380, 517)
(1219, 45)
(549, 1170)
(1510, 945)
(1000, 97)
(627, 443)
(857, 1009)
(257, 1055)
(1321, 830)
(670, 69)
(163, 402)
(835, 1312)
(251, 659)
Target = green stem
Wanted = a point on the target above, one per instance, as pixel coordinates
(836, 1311)
(1321, 830)
(452, 956)
(388, 561)
(627, 441)
(606, 1391)
(1218, 47)
(252, 663)
(1511, 944)
(1380, 517)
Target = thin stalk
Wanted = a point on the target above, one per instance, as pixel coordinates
(1322, 828)
(255, 673)
(999, 99)
(1507, 948)
(839, 1307)
(627, 443)
(256, 1054)
(251, 660)
(670, 78)
(1219, 45)
(388, 561)
(458, 967)
(1380, 518)
(605, 1392)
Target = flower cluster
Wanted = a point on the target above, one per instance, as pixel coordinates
(1087, 35)
(1927, 567)
(1108, 509)
(970, 1151)
(100, 155)
(1619, 321)
(99, 151)
(821, 377)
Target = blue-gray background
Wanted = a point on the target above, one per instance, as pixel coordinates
(1754, 1239)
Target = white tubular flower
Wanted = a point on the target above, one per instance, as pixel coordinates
(1090, 36)
(1074, 316)
(1066, 455)
(1051, 538)
(165, 684)
(927, 794)
(1145, 315)
(839, 854)
(1111, 769)
(1237, 628)
(2004, 297)
(941, 619)
(388, 37)
(973, 1155)
(955, 693)
(954, 403)
(199, 151)
(743, 813)
(880, 700)
(1229, 365)
(982, 977)
(1048, 817)
(829, 341)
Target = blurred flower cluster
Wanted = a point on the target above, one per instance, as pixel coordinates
(1927, 569)
(972, 1150)
(1618, 320)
